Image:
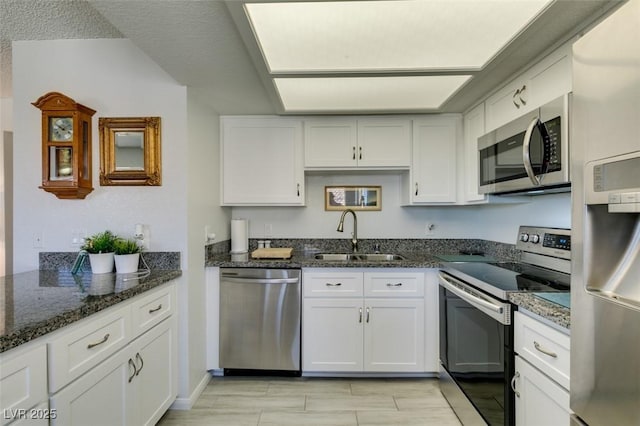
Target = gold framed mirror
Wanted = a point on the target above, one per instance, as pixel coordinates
(130, 151)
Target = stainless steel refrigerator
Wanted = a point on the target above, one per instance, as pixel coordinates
(605, 169)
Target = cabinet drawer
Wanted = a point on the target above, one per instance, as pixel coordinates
(332, 284)
(152, 308)
(544, 347)
(82, 347)
(23, 380)
(393, 284)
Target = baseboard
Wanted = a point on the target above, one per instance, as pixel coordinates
(187, 403)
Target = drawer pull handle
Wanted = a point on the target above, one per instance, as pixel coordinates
(93, 345)
(394, 285)
(135, 370)
(544, 351)
(156, 309)
(513, 384)
(141, 363)
(333, 285)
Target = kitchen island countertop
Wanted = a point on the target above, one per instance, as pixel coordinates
(38, 302)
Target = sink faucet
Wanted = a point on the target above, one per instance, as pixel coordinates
(354, 236)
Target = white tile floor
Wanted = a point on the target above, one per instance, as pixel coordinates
(317, 401)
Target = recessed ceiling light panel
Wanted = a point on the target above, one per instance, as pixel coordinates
(354, 94)
(387, 35)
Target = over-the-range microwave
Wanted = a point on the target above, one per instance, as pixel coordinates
(529, 154)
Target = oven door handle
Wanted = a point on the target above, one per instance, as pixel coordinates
(495, 311)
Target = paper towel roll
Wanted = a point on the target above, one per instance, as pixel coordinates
(239, 236)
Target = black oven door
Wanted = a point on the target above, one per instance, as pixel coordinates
(476, 350)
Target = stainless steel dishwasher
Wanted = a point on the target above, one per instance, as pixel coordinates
(260, 320)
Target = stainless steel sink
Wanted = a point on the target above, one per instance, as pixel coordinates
(364, 257)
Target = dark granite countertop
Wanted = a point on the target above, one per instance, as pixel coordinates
(38, 302)
(557, 314)
(307, 260)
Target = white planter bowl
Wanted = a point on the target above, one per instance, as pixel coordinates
(127, 263)
(101, 263)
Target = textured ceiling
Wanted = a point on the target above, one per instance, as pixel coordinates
(208, 44)
(46, 20)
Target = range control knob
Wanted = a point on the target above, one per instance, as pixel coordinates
(535, 238)
(524, 237)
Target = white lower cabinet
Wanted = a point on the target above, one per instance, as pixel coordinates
(343, 330)
(23, 385)
(133, 387)
(539, 400)
(541, 378)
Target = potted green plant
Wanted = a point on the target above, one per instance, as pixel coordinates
(100, 247)
(127, 255)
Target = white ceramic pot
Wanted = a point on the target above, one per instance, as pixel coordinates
(127, 263)
(101, 263)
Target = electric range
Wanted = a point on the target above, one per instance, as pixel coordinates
(476, 322)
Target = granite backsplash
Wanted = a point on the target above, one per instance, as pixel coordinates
(63, 261)
(503, 251)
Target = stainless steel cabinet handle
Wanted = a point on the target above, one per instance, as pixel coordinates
(333, 284)
(394, 285)
(135, 370)
(360, 151)
(513, 383)
(156, 309)
(354, 153)
(298, 189)
(104, 339)
(360, 320)
(547, 352)
(368, 315)
(416, 188)
(513, 98)
(138, 357)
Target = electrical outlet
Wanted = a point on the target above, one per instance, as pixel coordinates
(268, 230)
(38, 242)
(77, 237)
(430, 228)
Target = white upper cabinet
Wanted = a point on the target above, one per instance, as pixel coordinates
(543, 82)
(433, 167)
(468, 164)
(350, 143)
(262, 161)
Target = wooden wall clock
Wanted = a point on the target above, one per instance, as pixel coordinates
(66, 146)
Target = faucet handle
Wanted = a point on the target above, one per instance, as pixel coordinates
(376, 248)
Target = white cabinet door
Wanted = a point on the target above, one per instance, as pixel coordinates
(543, 82)
(332, 334)
(330, 142)
(23, 382)
(384, 142)
(99, 397)
(539, 400)
(262, 161)
(394, 335)
(433, 168)
(156, 378)
(469, 167)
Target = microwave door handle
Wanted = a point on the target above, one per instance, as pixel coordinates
(526, 154)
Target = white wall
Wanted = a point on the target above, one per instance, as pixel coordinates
(117, 80)
(203, 211)
(6, 179)
(496, 222)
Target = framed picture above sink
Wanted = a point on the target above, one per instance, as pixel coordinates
(353, 197)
